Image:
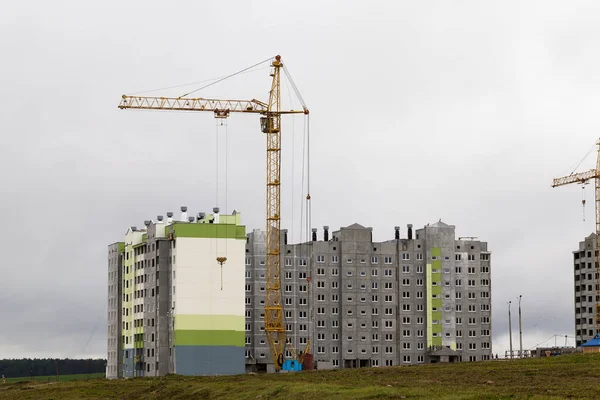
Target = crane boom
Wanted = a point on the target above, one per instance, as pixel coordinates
(192, 104)
(583, 177)
(271, 126)
(575, 178)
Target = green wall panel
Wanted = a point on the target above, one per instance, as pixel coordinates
(209, 338)
(220, 231)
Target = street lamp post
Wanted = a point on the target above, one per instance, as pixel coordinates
(520, 330)
(510, 330)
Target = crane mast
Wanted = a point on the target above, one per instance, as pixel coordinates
(270, 125)
(582, 178)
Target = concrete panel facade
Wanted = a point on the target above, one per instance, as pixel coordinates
(115, 292)
(586, 281)
(367, 304)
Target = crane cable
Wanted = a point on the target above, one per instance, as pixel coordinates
(291, 236)
(223, 122)
(289, 76)
(226, 77)
(583, 185)
(193, 83)
(573, 169)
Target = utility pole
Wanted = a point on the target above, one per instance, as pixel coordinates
(510, 330)
(520, 330)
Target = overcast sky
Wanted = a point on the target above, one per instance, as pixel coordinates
(420, 110)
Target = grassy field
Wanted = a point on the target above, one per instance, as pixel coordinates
(569, 376)
(52, 378)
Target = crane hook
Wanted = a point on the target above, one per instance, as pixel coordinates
(583, 199)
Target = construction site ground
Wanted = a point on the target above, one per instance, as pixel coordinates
(559, 377)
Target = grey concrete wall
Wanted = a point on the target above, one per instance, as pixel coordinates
(585, 280)
(343, 303)
(114, 317)
(156, 304)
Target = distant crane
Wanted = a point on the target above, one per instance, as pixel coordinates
(271, 125)
(583, 178)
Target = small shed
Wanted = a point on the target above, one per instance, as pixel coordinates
(592, 345)
(291, 365)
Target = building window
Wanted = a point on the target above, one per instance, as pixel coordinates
(334, 259)
(320, 259)
(374, 260)
(387, 260)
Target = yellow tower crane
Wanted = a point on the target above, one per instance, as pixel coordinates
(583, 178)
(271, 125)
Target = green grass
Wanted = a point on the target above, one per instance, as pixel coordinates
(52, 378)
(568, 376)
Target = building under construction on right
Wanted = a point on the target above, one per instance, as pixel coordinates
(586, 289)
(586, 266)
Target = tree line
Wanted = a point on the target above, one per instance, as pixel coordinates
(47, 366)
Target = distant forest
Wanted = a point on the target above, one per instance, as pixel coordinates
(47, 366)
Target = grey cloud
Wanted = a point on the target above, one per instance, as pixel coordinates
(463, 111)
